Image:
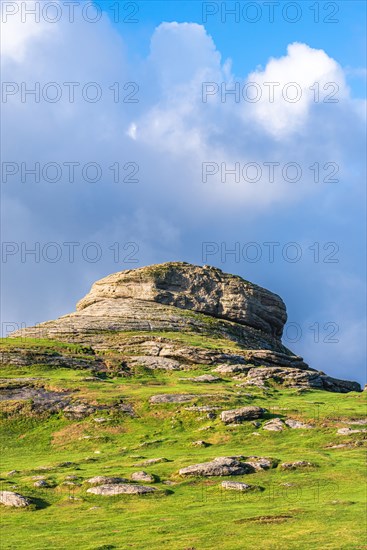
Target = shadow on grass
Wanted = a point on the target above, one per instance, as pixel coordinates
(39, 503)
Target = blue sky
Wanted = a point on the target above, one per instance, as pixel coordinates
(251, 44)
(167, 139)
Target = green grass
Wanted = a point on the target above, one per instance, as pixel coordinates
(323, 507)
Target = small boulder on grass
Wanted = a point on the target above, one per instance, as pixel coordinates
(143, 476)
(9, 498)
(249, 412)
(106, 480)
(295, 465)
(120, 489)
(41, 483)
(237, 486)
(274, 425)
(200, 443)
(296, 424)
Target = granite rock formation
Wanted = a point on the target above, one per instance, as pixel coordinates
(135, 314)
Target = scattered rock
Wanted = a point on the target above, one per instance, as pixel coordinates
(142, 476)
(171, 398)
(150, 461)
(295, 465)
(8, 498)
(154, 363)
(262, 463)
(274, 425)
(41, 483)
(106, 480)
(244, 413)
(349, 431)
(296, 424)
(12, 473)
(78, 411)
(208, 378)
(236, 486)
(200, 443)
(205, 408)
(120, 489)
(231, 369)
(221, 466)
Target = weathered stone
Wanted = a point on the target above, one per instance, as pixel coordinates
(142, 476)
(171, 398)
(295, 465)
(221, 466)
(150, 461)
(236, 486)
(177, 297)
(200, 443)
(106, 480)
(8, 498)
(154, 363)
(202, 289)
(239, 415)
(262, 463)
(231, 369)
(297, 424)
(204, 408)
(274, 425)
(208, 378)
(120, 489)
(41, 483)
(78, 411)
(349, 431)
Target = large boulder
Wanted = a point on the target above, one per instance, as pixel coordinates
(120, 489)
(9, 498)
(221, 466)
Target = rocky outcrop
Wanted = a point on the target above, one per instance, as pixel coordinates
(177, 297)
(201, 289)
(297, 378)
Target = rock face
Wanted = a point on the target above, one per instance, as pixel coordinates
(177, 297)
(202, 289)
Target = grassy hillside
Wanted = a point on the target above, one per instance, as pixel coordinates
(320, 506)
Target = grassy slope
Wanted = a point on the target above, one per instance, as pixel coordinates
(322, 508)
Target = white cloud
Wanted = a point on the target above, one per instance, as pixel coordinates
(291, 77)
